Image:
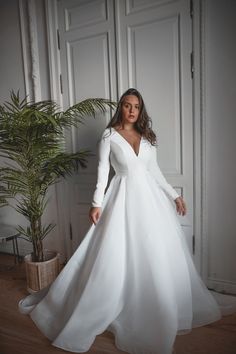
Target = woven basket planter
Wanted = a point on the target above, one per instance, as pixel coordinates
(41, 274)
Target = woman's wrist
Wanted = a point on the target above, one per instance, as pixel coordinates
(94, 205)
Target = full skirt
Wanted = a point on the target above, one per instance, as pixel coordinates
(132, 275)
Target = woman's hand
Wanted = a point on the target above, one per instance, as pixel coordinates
(180, 206)
(94, 214)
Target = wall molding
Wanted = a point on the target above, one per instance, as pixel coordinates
(34, 52)
(199, 113)
(53, 51)
(203, 206)
(29, 39)
(25, 48)
(197, 136)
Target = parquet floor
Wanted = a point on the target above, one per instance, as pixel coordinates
(19, 335)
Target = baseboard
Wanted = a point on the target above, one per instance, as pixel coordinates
(222, 286)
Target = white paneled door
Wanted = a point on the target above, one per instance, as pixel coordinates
(108, 46)
(88, 69)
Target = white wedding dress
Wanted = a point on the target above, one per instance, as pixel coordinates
(132, 274)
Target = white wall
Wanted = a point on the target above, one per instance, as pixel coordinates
(11, 62)
(220, 50)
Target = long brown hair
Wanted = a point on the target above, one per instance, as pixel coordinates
(143, 124)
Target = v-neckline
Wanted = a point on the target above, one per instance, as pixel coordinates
(137, 155)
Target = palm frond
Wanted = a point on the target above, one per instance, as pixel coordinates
(88, 107)
(32, 141)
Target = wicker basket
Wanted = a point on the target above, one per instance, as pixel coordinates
(41, 274)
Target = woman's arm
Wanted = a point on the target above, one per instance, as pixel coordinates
(159, 177)
(102, 176)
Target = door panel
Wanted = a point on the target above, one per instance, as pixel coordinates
(87, 56)
(155, 69)
(154, 42)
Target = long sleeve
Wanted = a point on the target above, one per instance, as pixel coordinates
(159, 177)
(102, 170)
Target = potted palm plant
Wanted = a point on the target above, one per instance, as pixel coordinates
(32, 136)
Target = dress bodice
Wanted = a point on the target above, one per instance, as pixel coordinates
(116, 151)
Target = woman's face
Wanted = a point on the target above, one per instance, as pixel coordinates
(130, 109)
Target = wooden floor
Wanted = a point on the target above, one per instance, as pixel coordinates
(19, 335)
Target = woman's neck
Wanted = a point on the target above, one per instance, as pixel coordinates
(127, 126)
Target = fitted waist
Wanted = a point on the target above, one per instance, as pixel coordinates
(131, 173)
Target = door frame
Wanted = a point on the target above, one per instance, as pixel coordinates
(199, 126)
(199, 141)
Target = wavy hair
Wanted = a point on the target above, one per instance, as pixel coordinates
(143, 125)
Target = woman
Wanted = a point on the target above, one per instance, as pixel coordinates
(133, 274)
(132, 123)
